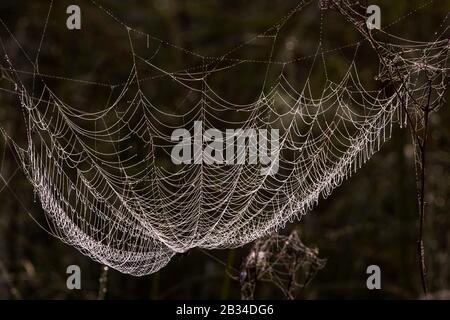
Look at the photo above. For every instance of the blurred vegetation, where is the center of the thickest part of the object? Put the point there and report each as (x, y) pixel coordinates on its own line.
(370, 219)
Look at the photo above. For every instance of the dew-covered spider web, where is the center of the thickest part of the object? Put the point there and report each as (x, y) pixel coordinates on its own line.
(98, 142)
(281, 260)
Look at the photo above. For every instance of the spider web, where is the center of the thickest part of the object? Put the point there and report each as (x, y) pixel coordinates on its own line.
(281, 260)
(101, 169)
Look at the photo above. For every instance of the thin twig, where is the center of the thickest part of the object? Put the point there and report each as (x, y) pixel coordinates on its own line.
(420, 165)
(103, 283)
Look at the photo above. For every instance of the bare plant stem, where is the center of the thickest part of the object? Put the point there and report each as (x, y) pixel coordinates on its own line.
(155, 287)
(420, 169)
(225, 292)
(103, 283)
(420, 141)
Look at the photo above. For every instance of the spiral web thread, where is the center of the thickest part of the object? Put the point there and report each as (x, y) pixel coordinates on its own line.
(128, 207)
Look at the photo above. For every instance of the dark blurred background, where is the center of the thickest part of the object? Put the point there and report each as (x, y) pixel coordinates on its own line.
(370, 219)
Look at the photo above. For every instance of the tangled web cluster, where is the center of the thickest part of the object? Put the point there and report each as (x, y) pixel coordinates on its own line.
(105, 179)
(281, 260)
